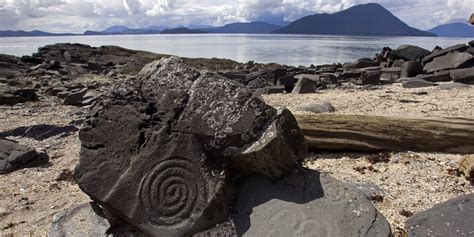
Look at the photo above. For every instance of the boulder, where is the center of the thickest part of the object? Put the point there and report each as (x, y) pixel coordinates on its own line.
(450, 61)
(306, 203)
(14, 156)
(441, 52)
(178, 134)
(465, 76)
(26, 94)
(441, 76)
(370, 78)
(391, 73)
(411, 69)
(417, 83)
(317, 108)
(75, 97)
(409, 52)
(466, 166)
(286, 81)
(305, 86)
(451, 218)
(453, 86)
(361, 63)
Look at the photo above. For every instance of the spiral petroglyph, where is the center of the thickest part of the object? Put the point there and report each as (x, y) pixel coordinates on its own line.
(174, 189)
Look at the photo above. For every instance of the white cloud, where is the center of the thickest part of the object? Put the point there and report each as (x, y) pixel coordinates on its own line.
(80, 15)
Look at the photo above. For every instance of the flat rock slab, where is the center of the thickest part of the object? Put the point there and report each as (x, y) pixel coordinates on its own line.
(14, 156)
(417, 83)
(450, 61)
(78, 221)
(306, 203)
(452, 218)
(453, 86)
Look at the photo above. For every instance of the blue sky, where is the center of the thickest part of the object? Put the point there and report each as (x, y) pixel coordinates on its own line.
(79, 15)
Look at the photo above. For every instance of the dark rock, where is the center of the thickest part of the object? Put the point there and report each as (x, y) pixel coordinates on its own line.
(270, 90)
(450, 61)
(54, 91)
(452, 86)
(317, 108)
(75, 97)
(436, 76)
(305, 85)
(465, 76)
(40, 131)
(9, 99)
(409, 52)
(411, 69)
(306, 203)
(417, 83)
(180, 133)
(370, 78)
(14, 156)
(442, 52)
(63, 94)
(287, 81)
(451, 218)
(361, 63)
(471, 43)
(391, 74)
(26, 94)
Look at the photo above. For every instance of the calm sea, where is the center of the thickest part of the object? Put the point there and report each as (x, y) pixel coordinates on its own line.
(284, 49)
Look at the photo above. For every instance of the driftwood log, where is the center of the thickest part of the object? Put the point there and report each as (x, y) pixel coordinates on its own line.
(375, 133)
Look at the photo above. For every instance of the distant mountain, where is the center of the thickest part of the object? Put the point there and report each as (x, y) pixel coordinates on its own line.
(366, 19)
(458, 29)
(21, 33)
(116, 29)
(183, 30)
(249, 28)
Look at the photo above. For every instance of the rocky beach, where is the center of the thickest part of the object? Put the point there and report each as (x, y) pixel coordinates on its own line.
(108, 140)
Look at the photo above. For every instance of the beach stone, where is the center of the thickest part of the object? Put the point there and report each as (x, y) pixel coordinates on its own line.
(306, 203)
(79, 220)
(441, 76)
(409, 52)
(465, 76)
(175, 133)
(9, 99)
(40, 131)
(453, 86)
(287, 81)
(26, 94)
(411, 69)
(305, 86)
(466, 166)
(450, 61)
(391, 73)
(14, 156)
(441, 52)
(361, 63)
(370, 78)
(317, 108)
(417, 83)
(75, 97)
(450, 218)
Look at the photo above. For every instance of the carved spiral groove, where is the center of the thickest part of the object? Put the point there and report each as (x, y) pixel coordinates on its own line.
(174, 189)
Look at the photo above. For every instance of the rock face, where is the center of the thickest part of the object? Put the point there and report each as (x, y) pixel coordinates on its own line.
(451, 218)
(306, 203)
(160, 152)
(14, 156)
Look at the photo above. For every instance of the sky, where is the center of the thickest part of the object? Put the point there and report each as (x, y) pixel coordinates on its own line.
(76, 16)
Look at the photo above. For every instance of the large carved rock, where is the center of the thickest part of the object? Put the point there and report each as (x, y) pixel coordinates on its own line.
(159, 152)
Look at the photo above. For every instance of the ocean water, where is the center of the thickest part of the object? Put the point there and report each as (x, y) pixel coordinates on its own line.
(265, 48)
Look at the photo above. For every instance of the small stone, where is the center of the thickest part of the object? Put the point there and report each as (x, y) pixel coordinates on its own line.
(466, 166)
(317, 108)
